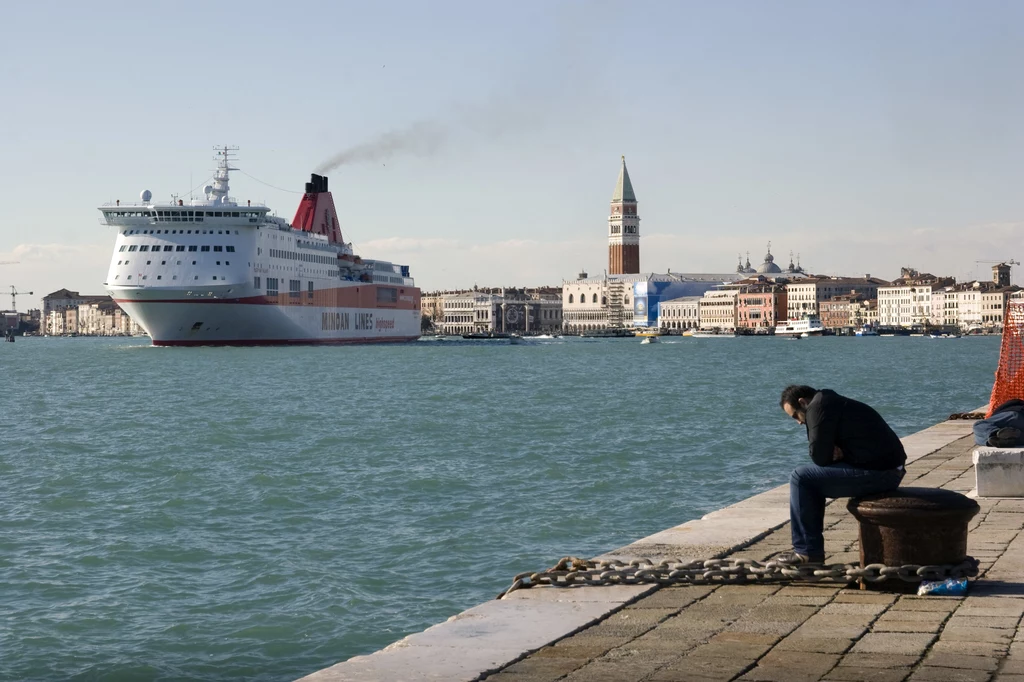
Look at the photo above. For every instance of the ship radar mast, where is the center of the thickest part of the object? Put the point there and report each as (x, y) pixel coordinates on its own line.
(217, 193)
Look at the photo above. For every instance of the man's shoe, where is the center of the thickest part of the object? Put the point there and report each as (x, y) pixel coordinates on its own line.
(796, 558)
(1006, 437)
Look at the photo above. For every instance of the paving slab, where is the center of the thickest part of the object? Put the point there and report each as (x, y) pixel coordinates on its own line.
(852, 674)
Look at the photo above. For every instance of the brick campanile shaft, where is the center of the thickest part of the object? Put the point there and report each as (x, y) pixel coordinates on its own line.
(623, 228)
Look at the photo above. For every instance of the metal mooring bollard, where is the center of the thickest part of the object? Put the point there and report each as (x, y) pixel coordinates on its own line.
(921, 526)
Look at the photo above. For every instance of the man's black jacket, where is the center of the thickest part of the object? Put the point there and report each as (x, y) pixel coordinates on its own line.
(860, 432)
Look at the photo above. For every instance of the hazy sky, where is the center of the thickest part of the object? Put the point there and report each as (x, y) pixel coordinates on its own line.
(863, 135)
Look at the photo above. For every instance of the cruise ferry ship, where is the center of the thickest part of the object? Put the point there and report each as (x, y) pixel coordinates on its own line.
(805, 326)
(214, 272)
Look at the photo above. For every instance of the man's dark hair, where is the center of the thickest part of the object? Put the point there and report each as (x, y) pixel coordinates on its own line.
(792, 393)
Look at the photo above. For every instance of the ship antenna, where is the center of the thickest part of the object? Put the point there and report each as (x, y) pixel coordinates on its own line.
(220, 188)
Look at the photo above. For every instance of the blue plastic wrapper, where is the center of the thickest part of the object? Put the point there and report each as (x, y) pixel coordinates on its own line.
(950, 587)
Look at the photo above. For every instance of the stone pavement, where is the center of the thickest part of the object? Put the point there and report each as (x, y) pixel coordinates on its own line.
(805, 632)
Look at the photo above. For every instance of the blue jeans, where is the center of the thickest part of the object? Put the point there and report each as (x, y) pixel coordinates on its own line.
(985, 428)
(810, 485)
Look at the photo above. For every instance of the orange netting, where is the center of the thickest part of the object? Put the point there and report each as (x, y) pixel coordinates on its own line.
(1010, 373)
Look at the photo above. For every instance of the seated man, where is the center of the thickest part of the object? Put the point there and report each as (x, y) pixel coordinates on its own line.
(854, 452)
(1004, 428)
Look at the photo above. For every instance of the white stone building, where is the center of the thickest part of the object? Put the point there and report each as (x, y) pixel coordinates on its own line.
(945, 307)
(993, 307)
(907, 301)
(717, 309)
(459, 312)
(680, 313)
(586, 303)
(803, 297)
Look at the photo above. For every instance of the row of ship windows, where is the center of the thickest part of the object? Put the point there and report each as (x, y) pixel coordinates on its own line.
(169, 247)
(163, 262)
(186, 215)
(178, 232)
(307, 257)
(173, 277)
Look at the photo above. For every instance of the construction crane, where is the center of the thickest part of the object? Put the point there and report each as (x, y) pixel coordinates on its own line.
(14, 297)
(9, 262)
(998, 262)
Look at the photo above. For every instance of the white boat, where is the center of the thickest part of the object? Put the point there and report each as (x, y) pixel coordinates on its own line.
(649, 339)
(216, 272)
(712, 334)
(809, 326)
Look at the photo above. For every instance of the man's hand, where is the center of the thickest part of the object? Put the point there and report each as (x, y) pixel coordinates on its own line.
(837, 454)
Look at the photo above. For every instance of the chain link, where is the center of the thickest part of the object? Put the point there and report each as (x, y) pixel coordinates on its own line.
(576, 571)
(967, 415)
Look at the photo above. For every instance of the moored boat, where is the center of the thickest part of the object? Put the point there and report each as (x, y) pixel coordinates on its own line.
(810, 325)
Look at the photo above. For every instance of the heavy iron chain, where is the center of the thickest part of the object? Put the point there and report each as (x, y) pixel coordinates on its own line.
(575, 571)
(967, 415)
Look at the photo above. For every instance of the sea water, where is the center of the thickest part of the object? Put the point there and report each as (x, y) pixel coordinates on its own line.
(218, 513)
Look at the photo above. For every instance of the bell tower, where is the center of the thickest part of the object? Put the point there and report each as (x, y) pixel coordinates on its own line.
(623, 228)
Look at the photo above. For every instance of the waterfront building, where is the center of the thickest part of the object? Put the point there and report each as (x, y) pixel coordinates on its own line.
(679, 313)
(945, 307)
(838, 313)
(627, 301)
(10, 321)
(623, 228)
(525, 311)
(761, 305)
(864, 313)
(105, 318)
(718, 309)
(462, 312)
(969, 306)
(62, 299)
(806, 295)
(432, 305)
(99, 318)
(506, 311)
(71, 325)
(907, 301)
(993, 306)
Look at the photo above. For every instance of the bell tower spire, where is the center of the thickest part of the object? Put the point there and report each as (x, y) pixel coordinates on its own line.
(623, 228)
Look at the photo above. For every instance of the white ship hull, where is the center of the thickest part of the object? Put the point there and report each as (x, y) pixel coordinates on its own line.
(176, 322)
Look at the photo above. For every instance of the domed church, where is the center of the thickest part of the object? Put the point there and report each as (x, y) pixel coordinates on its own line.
(768, 267)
